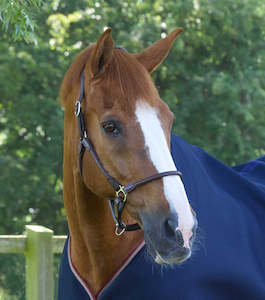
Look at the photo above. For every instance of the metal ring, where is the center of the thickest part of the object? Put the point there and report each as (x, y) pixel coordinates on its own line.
(77, 108)
(117, 232)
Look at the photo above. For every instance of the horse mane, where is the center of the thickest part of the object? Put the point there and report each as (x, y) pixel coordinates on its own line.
(123, 72)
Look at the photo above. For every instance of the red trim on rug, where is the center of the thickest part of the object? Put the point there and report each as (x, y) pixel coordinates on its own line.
(122, 266)
(76, 274)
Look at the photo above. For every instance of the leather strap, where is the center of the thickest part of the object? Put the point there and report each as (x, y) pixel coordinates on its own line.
(87, 145)
(131, 186)
(118, 202)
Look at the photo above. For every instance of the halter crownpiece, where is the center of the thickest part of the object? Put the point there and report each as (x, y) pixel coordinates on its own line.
(121, 192)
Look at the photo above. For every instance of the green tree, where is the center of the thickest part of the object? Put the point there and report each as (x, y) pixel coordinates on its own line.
(213, 80)
(18, 20)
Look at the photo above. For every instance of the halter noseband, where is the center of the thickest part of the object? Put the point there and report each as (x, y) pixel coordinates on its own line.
(116, 205)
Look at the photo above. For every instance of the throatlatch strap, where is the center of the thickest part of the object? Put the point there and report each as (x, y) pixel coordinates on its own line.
(82, 87)
(81, 151)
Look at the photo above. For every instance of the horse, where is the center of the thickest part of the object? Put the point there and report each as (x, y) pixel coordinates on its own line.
(124, 195)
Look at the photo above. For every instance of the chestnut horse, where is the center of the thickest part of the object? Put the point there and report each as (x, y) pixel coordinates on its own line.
(125, 127)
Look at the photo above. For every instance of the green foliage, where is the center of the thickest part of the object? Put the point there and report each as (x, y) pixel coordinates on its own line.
(213, 80)
(17, 18)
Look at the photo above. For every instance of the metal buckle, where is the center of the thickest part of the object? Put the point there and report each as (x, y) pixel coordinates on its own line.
(77, 108)
(121, 191)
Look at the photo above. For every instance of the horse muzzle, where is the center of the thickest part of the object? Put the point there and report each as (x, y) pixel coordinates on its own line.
(165, 241)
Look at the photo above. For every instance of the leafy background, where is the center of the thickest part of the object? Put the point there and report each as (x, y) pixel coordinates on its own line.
(213, 80)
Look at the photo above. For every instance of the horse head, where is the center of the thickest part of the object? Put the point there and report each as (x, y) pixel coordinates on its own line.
(130, 128)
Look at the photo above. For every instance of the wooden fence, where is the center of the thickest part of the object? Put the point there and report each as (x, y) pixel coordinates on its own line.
(38, 245)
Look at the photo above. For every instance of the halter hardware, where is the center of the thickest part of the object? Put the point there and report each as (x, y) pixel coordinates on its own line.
(117, 232)
(121, 191)
(77, 108)
(118, 203)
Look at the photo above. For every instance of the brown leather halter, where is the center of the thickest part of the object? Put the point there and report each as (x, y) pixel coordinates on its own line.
(118, 203)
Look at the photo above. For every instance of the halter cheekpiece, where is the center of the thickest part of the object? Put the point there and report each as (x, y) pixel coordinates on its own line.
(121, 192)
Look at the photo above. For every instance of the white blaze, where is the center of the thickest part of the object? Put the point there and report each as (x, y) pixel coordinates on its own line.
(157, 147)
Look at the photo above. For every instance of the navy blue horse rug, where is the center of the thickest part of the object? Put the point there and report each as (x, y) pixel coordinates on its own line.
(230, 207)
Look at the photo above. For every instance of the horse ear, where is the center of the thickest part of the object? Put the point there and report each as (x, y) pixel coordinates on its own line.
(153, 56)
(101, 54)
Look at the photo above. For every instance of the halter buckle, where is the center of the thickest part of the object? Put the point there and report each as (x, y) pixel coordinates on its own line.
(120, 192)
(77, 108)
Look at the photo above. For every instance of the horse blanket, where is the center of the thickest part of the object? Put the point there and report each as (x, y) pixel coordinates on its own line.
(229, 261)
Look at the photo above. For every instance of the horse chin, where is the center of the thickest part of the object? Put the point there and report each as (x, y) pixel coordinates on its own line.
(175, 256)
(171, 261)
(159, 260)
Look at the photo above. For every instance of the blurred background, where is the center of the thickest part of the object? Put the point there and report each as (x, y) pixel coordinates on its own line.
(213, 81)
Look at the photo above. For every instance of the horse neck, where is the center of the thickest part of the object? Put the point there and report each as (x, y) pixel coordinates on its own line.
(95, 251)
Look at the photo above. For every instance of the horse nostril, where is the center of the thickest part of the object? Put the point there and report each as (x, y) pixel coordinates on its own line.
(173, 233)
(170, 228)
(179, 238)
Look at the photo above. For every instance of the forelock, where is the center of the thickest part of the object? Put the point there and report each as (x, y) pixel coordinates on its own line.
(129, 76)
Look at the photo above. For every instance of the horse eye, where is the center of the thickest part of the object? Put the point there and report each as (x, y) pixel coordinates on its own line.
(111, 128)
